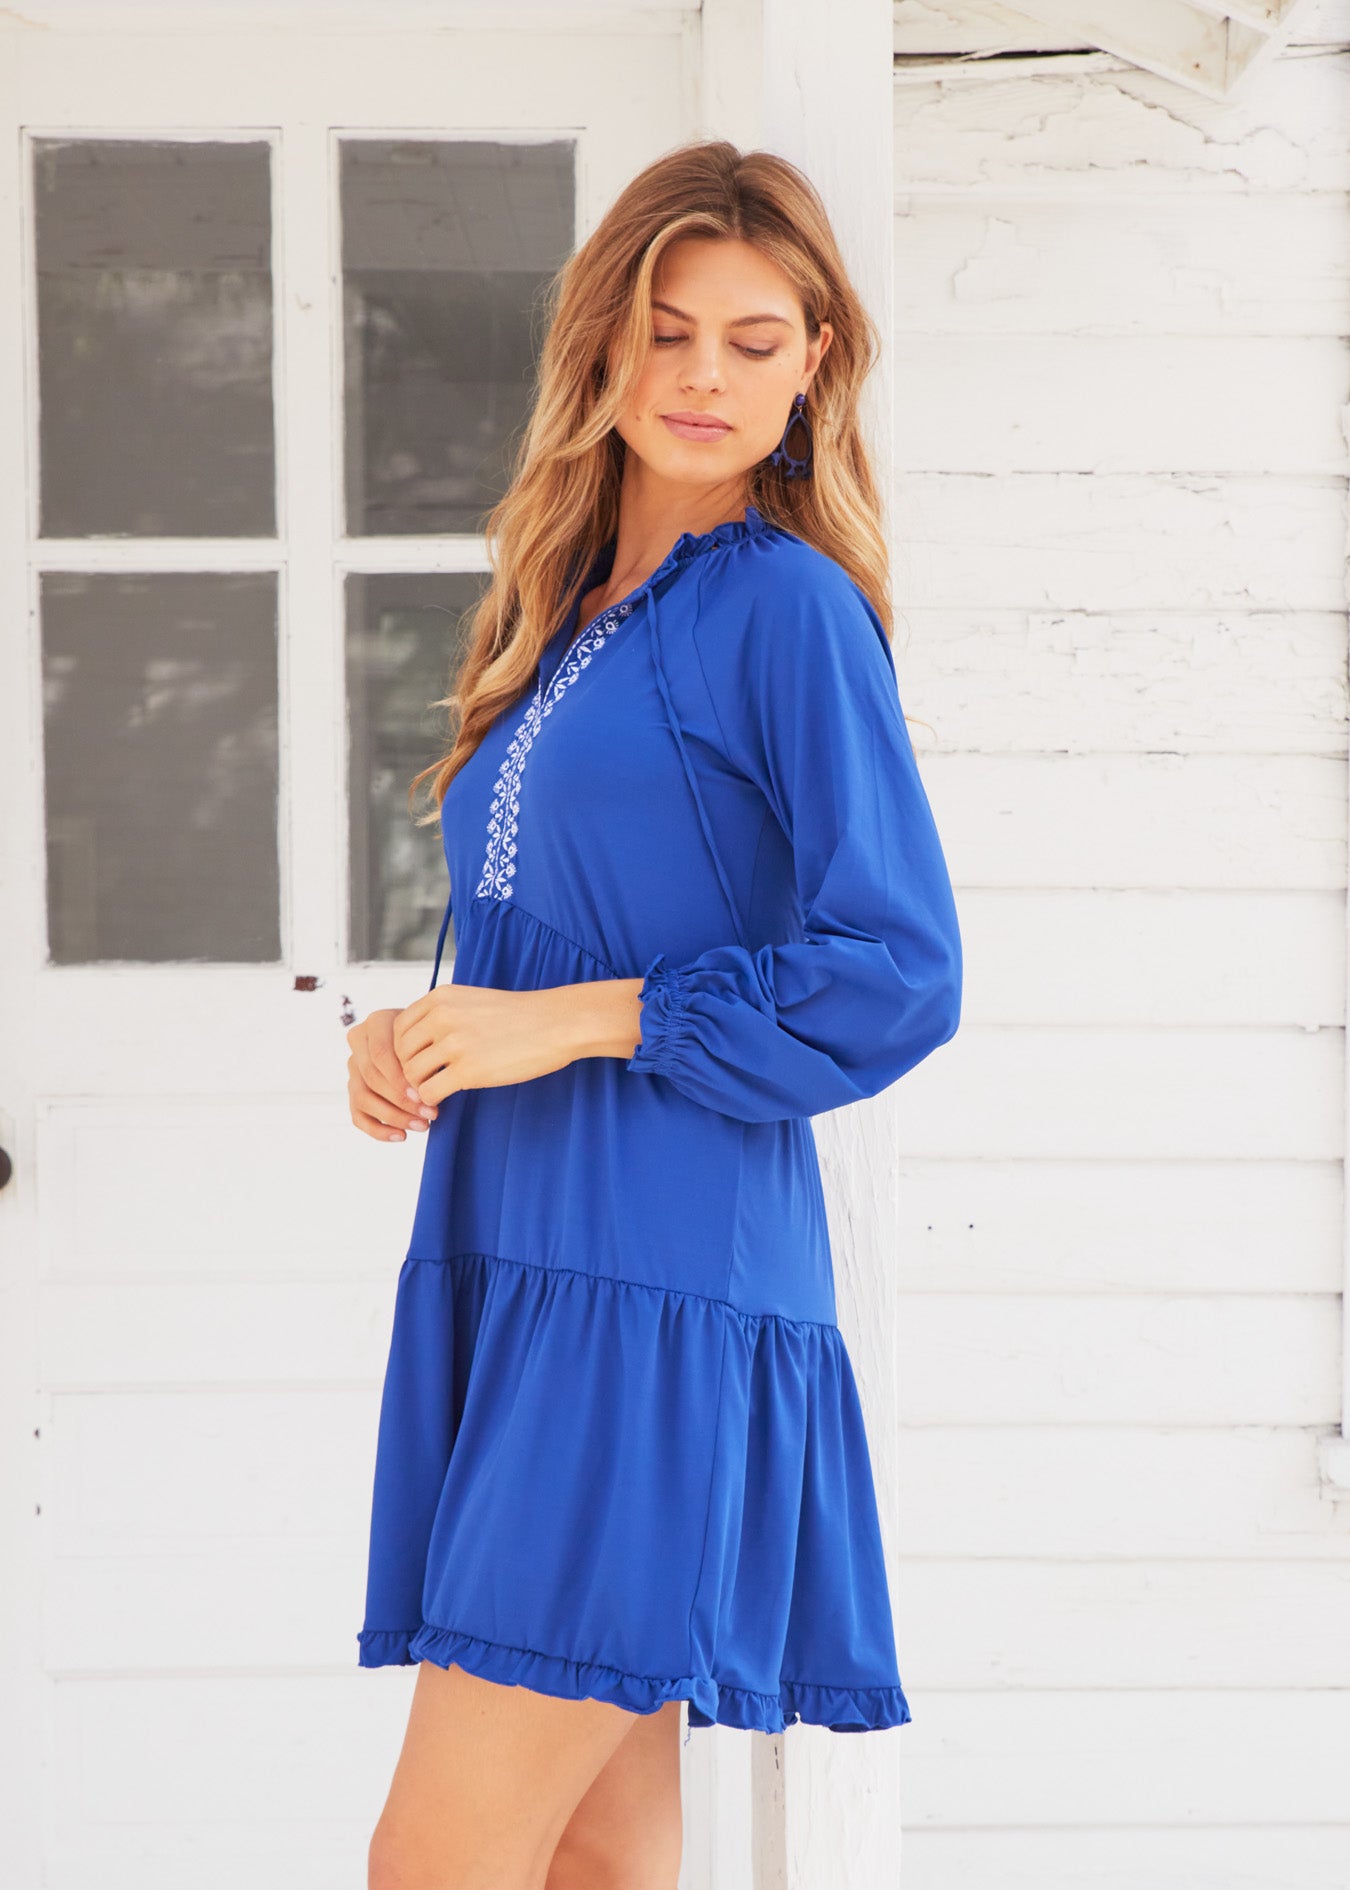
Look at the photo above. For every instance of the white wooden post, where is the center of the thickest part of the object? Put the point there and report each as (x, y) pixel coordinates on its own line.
(825, 1806)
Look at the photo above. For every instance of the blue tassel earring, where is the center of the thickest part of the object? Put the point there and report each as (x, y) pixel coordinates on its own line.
(794, 467)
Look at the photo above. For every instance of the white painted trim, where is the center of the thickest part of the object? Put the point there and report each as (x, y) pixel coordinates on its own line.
(189, 18)
(829, 106)
(1333, 1455)
(774, 78)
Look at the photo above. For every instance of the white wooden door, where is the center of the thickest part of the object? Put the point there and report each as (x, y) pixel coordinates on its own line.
(267, 302)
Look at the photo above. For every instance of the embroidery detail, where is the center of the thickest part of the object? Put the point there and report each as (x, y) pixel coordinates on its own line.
(499, 863)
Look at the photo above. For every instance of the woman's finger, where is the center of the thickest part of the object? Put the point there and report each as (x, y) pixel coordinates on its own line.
(390, 1085)
(376, 1130)
(389, 1077)
(420, 1069)
(400, 1114)
(380, 1126)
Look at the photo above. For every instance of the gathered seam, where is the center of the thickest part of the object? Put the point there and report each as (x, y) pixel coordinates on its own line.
(672, 1018)
(613, 1279)
(604, 1666)
(510, 905)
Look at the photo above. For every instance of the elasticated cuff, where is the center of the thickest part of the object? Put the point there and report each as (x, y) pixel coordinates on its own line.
(664, 1018)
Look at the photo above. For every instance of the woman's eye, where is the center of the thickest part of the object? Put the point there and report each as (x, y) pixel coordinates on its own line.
(758, 354)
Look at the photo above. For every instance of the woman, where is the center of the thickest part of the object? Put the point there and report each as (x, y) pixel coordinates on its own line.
(699, 898)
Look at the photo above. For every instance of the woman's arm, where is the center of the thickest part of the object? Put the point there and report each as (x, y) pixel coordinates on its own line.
(603, 1017)
(809, 710)
(476, 1036)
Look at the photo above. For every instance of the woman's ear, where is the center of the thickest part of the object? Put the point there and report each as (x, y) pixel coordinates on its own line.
(822, 344)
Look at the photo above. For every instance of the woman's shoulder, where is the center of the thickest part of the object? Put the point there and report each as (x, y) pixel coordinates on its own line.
(794, 559)
(788, 599)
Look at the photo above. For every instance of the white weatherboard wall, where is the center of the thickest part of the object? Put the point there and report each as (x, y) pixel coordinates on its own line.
(1121, 376)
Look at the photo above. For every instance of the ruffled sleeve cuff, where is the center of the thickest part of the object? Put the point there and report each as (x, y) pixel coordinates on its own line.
(664, 1018)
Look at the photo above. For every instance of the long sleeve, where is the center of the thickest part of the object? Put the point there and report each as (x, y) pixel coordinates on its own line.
(806, 698)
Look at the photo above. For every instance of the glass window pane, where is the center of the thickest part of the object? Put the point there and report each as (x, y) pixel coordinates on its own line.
(154, 338)
(447, 247)
(160, 716)
(405, 641)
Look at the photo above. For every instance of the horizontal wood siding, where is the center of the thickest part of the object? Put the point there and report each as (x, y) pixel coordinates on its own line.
(1122, 377)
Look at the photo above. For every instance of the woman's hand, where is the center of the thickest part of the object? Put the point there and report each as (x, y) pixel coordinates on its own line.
(376, 1084)
(473, 1036)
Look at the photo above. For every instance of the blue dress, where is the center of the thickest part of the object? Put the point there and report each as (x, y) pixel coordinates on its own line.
(620, 1451)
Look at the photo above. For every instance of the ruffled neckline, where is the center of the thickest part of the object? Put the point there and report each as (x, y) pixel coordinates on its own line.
(729, 532)
(688, 545)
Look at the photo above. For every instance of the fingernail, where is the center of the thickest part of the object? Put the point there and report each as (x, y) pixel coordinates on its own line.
(412, 1093)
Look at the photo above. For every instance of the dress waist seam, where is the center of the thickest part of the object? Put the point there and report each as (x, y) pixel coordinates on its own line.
(612, 1279)
(510, 905)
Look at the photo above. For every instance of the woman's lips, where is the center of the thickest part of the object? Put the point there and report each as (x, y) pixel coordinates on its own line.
(701, 430)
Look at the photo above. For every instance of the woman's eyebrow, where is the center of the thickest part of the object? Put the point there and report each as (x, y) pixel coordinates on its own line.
(741, 321)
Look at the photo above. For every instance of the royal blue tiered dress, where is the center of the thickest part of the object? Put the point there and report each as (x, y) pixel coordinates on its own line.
(620, 1448)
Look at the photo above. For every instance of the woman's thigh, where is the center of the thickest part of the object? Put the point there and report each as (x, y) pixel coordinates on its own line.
(485, 1783)
(627, 1832)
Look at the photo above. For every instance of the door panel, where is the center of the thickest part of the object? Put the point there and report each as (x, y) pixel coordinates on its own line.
(269, 302)
(160, 750)
(154, 338)
(447, 247)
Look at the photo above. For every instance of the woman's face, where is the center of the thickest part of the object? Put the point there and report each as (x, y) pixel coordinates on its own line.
(730, 345)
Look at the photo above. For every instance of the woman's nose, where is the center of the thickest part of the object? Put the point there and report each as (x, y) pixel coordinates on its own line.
(706, 374)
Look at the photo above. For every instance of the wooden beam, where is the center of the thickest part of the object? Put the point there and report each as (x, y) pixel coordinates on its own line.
(1211, 46)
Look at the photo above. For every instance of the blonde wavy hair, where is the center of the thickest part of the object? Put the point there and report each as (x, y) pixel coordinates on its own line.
(562, 501)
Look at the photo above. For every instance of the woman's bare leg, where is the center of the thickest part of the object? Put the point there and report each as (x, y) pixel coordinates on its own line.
(486, 1781)
(627, 1833)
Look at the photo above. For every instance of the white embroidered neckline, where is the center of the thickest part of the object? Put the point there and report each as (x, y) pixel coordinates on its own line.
(499, 864)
